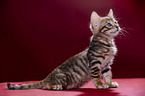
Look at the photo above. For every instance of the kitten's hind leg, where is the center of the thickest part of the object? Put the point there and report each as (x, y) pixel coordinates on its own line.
(56, 80)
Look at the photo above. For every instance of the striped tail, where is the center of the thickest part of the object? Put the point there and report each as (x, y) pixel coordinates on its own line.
(32, 85)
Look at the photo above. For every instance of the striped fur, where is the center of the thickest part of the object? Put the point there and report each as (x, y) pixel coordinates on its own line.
(94, 62)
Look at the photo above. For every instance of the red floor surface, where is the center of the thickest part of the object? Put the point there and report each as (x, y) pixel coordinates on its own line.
(127, 87)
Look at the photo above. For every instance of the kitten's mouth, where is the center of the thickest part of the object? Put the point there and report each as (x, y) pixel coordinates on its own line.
(114, 32)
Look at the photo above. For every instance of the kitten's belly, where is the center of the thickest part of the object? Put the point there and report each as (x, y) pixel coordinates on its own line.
(81, 81)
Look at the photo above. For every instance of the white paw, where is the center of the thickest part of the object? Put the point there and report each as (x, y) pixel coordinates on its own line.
(102, 86)
(56, 87)
(114, 85)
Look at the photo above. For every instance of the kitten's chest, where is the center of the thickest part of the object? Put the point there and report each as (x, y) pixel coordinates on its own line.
(108, 57)
(112, 51)
(107, 51)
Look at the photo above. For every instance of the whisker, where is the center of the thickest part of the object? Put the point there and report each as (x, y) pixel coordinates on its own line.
(116, 16)
(125, 34)
(122, 34)
(127, 28)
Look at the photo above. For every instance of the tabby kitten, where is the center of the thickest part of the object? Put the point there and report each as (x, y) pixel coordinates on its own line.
(94, 62)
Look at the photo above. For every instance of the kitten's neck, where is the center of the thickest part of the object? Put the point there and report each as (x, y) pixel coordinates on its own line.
(98, 36)
(109, 37)
(103, 39)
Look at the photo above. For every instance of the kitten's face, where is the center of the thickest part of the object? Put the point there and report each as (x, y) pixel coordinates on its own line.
(106, 26)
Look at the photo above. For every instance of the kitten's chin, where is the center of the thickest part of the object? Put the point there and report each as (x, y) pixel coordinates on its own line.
(110, 36)
(115, 34)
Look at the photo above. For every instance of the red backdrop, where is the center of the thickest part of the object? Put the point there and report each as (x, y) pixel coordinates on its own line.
(38, 35)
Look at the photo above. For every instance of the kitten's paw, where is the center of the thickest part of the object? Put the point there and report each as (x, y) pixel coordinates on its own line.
(56, 87)
(113, 85)
(102, 86)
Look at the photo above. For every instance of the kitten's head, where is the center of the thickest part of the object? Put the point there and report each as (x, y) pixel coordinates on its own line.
(105, 26)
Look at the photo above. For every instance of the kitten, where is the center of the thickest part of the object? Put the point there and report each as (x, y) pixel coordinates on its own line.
(94, 62)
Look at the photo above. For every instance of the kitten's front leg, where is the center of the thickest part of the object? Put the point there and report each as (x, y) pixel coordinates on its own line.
(107, 75)
(96, 76)
(98, 83)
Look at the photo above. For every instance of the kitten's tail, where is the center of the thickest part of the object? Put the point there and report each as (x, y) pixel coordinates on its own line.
(31, 85)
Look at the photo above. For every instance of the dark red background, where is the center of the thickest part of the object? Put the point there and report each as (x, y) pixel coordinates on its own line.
(38, 35)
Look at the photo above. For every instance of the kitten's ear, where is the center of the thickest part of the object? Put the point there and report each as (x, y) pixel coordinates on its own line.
(110, 14)
(94, 17)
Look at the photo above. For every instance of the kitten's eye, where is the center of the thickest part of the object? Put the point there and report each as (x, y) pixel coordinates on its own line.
(115, 22)
(109, 24)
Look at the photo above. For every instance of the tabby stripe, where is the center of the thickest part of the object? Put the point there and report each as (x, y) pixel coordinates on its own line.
(99, 53)
(62, 80)
(108, 45)
(102, 28)
(95, 62)
(77, 77)
(76, 70)
(106, 70)
(82, 67)
(84, 60)
(70, 77)
(67, 76)
(95, 76)
(95, 52)
(74, 76)
(95, 68)
(57, 81)
(99, 56)
(71, 71)
(95, 45)
(92, 53)
(94, 71)
(76, 73)
(104, 44)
